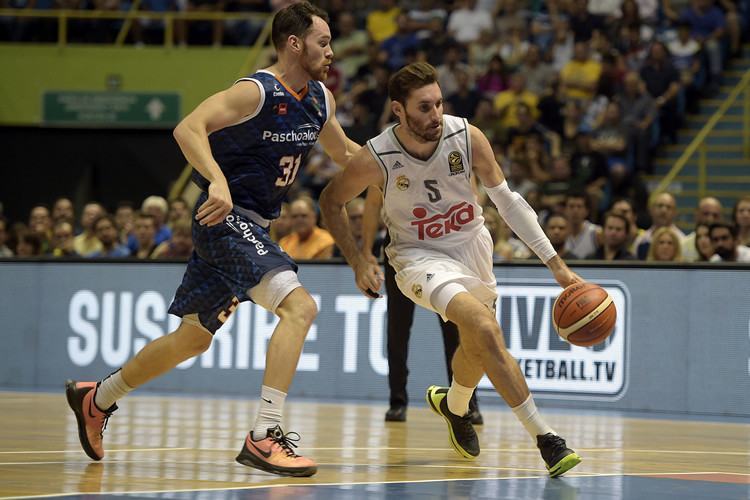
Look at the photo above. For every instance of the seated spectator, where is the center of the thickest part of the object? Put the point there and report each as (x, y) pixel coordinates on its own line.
(621, 184)
(637, 117)
(62, 239)
(447, 73)
(563, 44)
(307, 240)
(707, 212)
(589, 167)
(507, 101)
(180, 246)
(611, 137)
(422, 16)
(393, 50)
(178, 210)
(5, 252)
(40, 223)
(529, 126)
(539, 74)
(87, 243)
(381, 22)
(663, 84)
(495, 79)
(726, 247)
(557, 230)
(614, 240)
(483, 50)
(28, 244)
(704, 249)
(350, 46)
(741, 218)
(145, 232)
(686, 59)
(514, 47)
(663, 210)
(465, 100)
(62, 210)
(484, 119)
(157, 207)
(202, 32)
(707, 25)
(665, 246)
(580, 76)
(550, 106)
(354, 211)
(282, 225)
(467, 21)
(624, 207)
(124, 217)
(555, 189)
(583, 239)
(582, 23)
(106, 231)
(519, 177)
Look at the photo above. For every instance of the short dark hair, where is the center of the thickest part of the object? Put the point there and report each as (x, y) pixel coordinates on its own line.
(733, 230)
(295, 20)
(411, 77)
(617, 216)
(102, 217)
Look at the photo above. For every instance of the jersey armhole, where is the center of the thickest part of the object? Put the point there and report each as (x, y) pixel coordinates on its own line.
(260, 103)
(327, 101)
(468, 147)
(381, 164)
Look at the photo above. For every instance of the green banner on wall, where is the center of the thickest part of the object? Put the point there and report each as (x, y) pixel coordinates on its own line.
(112, 109)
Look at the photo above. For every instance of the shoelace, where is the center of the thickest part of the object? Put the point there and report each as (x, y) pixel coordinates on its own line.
(555, 444)
(286, 441)
(466, 426)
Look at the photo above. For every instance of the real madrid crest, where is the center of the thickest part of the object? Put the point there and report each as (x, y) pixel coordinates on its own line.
(456, 163)
(402, 182)
(417, 290)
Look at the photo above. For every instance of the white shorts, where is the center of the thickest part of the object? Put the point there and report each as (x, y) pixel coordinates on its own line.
(431, 277)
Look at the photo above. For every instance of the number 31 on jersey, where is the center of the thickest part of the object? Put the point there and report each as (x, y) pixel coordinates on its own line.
(289, 167)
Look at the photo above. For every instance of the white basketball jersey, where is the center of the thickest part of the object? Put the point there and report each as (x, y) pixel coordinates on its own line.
(429, 204)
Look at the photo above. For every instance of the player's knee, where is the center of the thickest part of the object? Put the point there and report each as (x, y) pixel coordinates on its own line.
(487, 333)
(298, 306)
(194, 340)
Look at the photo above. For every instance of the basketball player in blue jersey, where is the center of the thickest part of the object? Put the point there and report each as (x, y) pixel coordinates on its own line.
(246, 145)
(441, 251)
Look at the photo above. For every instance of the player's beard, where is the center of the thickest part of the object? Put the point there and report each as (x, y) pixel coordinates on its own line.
(424, 134)
(316, 73)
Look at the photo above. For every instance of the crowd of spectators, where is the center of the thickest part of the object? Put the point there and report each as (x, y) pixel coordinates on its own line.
(159, 230)
(574, 95)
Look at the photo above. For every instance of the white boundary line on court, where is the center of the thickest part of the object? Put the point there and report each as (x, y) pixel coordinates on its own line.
(305, 485)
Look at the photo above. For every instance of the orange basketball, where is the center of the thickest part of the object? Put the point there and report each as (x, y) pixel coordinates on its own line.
(584, 314)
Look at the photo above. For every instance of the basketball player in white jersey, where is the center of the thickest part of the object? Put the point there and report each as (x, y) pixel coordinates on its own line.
(440, 249)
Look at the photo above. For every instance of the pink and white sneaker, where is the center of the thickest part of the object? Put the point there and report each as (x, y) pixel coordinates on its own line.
(91, 420)
(274, 454)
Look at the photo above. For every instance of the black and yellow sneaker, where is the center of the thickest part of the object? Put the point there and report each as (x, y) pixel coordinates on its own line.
(558, 457)
(462, 435)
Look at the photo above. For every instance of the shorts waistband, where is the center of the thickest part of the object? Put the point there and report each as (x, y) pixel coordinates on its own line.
(253, 216)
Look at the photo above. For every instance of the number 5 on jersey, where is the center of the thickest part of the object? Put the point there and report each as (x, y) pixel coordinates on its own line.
(290, 166)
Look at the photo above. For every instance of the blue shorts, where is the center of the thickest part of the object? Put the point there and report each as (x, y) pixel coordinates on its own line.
(228, 260)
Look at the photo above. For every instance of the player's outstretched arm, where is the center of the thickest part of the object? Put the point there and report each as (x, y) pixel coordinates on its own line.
(218, 111)
(520, 217)
(361, 172)
(335, 143)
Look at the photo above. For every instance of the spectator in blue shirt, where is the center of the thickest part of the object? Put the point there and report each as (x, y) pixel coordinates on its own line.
(106, 232)
(708, 26)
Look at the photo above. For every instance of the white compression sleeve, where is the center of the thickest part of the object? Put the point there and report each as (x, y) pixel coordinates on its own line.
(522, 220)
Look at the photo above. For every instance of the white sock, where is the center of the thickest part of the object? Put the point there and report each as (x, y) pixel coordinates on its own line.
(270, 412)
(458, 398)
(112, 388)
(528, 415)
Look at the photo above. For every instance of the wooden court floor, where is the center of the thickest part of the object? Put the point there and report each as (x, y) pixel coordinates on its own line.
(177, 447)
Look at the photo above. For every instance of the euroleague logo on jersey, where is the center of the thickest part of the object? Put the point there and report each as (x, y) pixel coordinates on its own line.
(439, 225)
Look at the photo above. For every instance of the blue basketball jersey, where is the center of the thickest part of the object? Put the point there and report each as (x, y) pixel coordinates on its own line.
(261, 155)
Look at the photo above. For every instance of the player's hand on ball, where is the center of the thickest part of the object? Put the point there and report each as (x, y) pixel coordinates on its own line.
(217, 206)
(368, 275)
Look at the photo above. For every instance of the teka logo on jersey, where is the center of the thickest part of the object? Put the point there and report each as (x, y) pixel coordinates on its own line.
(552, 367)
(439, 225)
(242, 227)
(305, 134)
